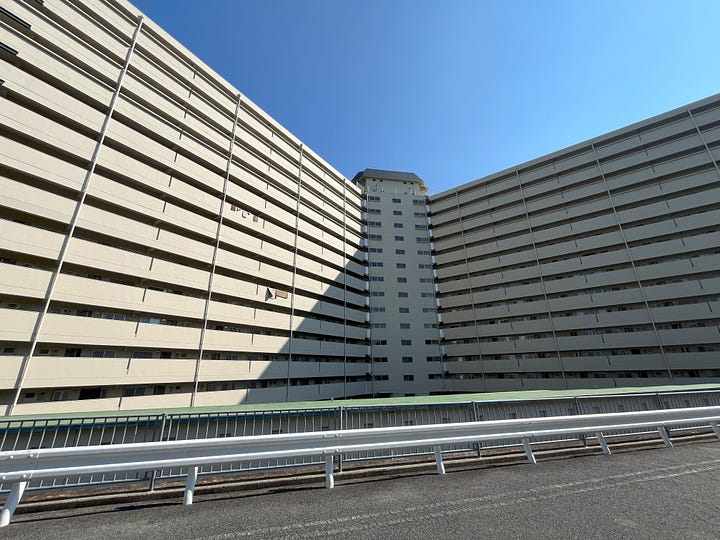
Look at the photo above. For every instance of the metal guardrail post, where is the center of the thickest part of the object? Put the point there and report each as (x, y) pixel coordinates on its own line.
(342, 426)
(578, 410)
(658, 401)
(162, 432)
(475, 418)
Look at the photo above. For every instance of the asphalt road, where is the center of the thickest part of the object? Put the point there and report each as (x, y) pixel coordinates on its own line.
(654, 494)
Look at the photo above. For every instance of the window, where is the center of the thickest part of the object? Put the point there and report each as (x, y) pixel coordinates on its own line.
(374, 223)
(373, 198)
(399, 238)
(426, 280)
(432, 342)
(398, 225)
(377, 278)
(404, 310)
(408, 377)
(134, 391)
(402, 280)
(428, 310)
(396, 201)
(400, 265)
(72, 352)
(379, 342)
(379, 325)
(422, 266)
(375, 211)
(419, 227)
(381, 359)
(422, 240)
(376, 250)
(432, 358)
(397, 212)
(402, 294)
(379, 309)
(103, 353)
(142, 354)
(422, 251)
(8, 350)
(375, 236)
(419, 214)
(405, 326)
(419, 202)
(376, 263)
(407, 359)
(430, 325)
(427, 295)
(378, 293)
(399, 252)
(406, 342)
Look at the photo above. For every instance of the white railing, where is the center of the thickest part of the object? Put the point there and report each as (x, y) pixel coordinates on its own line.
(19, 467)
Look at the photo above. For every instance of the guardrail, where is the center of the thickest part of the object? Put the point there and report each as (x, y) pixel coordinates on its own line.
(21, 466)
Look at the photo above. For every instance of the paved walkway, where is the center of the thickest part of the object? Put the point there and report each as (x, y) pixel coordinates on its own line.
(655, 494)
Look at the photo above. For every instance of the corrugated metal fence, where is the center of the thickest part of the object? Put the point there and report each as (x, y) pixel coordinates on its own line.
(115, 429)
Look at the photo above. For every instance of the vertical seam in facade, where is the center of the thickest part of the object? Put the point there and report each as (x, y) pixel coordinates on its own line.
(294, 270)
(542, 278)
(213, 265)
(702, 139)
(472, 294)
(632, 262)
(74, 219)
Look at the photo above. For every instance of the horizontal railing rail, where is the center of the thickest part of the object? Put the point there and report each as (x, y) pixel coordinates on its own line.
(20, 466)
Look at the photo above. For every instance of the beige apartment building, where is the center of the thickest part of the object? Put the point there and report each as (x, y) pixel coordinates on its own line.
(594, 266)
(405, 340)
(165, 243)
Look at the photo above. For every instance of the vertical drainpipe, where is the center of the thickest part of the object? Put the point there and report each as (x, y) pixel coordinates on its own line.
(294, 272)
(216, 248)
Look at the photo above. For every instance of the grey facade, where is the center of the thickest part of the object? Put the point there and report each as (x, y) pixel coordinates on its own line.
(593, 266)
(404, 337)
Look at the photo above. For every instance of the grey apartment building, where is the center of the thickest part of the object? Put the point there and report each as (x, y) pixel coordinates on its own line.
(405, 356)
(594, 266)
(166, 243)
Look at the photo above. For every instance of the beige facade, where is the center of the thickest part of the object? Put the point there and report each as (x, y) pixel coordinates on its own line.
(595, 266)
(164, 242)
(405, 346)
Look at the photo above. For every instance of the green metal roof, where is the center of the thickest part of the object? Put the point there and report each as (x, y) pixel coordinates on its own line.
(408, 400)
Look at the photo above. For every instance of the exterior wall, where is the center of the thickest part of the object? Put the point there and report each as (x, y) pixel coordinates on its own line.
(594, 266)
(405, 346)
(163, 241)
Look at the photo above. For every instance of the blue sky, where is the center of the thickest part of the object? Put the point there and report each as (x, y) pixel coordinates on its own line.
(452, 90)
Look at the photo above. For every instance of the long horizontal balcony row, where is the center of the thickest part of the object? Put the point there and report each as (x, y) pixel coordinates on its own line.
(583, 299)
(196, 112)
(17, 326)
(520, 283)
(156, 193)
(62, 372)
(569, 383)
(561, 322)
(74, 294)
(192, 128)
(600, 363)
(562, 259)
(583, 225)
(558, 170)
(251, 273)
(589, 217)
(510, 282)
(685, 336)
(577, 227)
(275, 394)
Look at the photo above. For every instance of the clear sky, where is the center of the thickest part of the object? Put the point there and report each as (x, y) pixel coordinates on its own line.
(452, 90)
